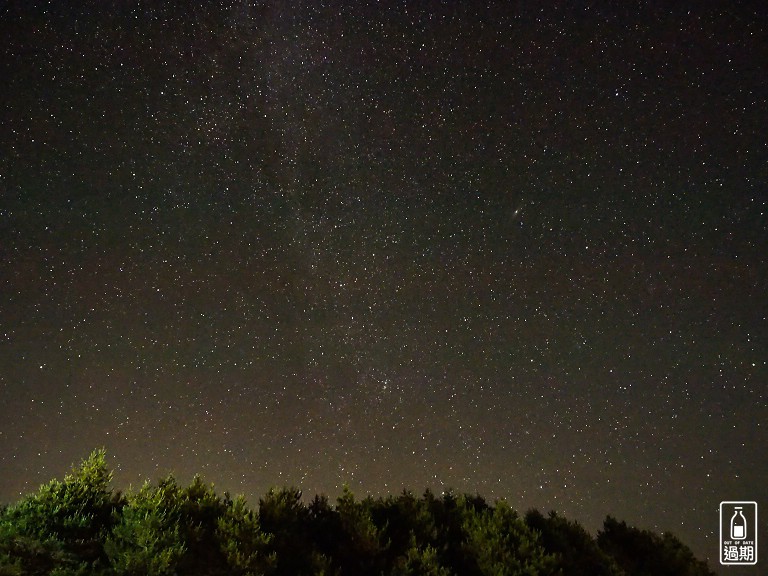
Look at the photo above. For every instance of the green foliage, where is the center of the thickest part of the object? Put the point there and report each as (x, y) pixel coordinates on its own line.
(10, 566)
(146, 538)
(285, 518)
(70, 511)
(79, 527)
(408, 525)
(577, 552)
(503, 545)
(241, 540)
(294, 544)
(62, 526)
(362, 545)
(200, 510)
(419, 561)
(644, 553)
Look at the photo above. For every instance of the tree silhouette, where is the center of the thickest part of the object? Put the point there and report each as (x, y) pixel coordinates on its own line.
(63, 524)
(503, 545)
(242, 541)
(577, 552)
(644, 553)
(80, 527)
(147, 538)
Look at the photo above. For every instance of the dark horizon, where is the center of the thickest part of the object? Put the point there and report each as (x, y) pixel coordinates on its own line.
(80, 524)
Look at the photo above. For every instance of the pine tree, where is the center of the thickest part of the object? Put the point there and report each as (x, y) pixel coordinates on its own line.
(62, 525)
(79, 527)
(644, 553)
(363, 545)
(146, 539)
(242, 541)
(502, 545)
(577, 551)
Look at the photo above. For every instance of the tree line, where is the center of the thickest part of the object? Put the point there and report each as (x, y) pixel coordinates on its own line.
(80, 526)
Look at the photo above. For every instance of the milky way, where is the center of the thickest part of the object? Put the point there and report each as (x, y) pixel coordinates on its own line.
(495, 248)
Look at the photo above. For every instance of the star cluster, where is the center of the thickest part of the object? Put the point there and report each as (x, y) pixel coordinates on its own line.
(498, 248)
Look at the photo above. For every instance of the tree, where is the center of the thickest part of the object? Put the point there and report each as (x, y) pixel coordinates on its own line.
(79, 527)
(62, 526)
(419, 561)
(146, 539)
(502, 545)
(448, 515)
(644, 553)
(576, 550)
(283, 516)
(407, 523)
(242, 541)
(326, 533)
(199, 512)
(362, 545)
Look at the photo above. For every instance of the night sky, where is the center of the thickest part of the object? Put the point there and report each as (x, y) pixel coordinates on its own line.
(498, 248)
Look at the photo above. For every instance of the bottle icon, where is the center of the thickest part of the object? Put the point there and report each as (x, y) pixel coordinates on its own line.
(738, 525)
